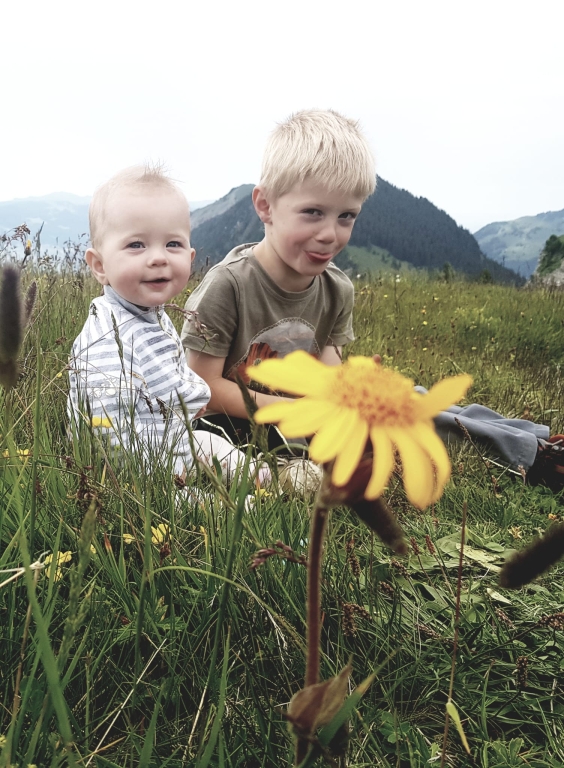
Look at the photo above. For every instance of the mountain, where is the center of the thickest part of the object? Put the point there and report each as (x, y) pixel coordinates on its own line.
(392, 222)
(518, 243)
(64, 216)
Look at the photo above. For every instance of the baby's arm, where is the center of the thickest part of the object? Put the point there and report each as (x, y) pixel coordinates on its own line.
(226, 396)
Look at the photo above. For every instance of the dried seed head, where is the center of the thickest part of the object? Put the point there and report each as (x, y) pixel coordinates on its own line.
(554, 621)
(352, 559)
(11, 325)
(430, 546)
(522, 671)
(534, 559)
(30, 297)
(414, 546)
(349, 624)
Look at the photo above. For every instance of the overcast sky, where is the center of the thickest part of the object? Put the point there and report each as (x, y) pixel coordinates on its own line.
(462, 101)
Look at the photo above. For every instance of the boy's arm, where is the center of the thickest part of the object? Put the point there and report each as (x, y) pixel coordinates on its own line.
(225, 395)
(332, 355)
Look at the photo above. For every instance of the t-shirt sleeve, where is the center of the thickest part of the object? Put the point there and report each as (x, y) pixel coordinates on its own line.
(342, 332)
(215, 306)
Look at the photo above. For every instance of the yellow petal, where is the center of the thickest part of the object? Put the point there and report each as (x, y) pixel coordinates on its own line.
(418, 475)
(297, 374)
(306, 417)
(271, 414)
(333, 437)
(442, 395)
(383, 462)
(348, 459)
(434, 446)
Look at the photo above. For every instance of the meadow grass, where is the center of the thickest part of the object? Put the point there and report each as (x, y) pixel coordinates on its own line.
(156, 644)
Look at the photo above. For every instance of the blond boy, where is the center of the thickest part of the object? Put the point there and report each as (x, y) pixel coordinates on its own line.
(284, 293)
(128, 372)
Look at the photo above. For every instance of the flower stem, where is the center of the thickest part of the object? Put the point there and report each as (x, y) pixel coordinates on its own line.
(318, 526)
(313, 620)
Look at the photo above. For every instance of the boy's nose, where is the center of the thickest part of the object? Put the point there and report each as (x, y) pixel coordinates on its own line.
(327, 233)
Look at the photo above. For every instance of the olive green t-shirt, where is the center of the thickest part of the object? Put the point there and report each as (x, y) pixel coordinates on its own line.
(248, 318)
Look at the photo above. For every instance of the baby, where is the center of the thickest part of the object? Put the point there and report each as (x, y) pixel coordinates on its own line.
(128, 372)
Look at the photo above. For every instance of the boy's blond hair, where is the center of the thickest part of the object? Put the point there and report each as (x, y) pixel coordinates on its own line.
(322, 145)
(136, 176)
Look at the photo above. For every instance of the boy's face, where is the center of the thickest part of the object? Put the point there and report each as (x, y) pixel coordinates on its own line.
(304, 230)
(144, 252)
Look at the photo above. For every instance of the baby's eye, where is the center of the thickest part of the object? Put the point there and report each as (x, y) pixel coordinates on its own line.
(174, 244)
(135, 244)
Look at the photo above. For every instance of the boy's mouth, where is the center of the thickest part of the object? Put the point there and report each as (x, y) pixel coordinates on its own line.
(319, 258)
(156, 280)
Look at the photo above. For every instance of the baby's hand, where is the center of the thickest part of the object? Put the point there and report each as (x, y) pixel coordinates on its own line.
(201, 412)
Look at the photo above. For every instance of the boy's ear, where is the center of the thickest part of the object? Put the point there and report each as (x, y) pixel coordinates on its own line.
(94, 261)
(192, 254)
(262, 206)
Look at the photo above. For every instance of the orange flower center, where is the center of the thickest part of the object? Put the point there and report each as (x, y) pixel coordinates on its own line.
(382, 396)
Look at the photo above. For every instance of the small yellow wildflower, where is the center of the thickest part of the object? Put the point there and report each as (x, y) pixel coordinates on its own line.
(92, 549)
(2, 740)
(516, 532)
(346, 406)
(128, 538)
(160, 533)
(425, 349)
(552, 517)
(101, 421)
(425, 322)
(62, 558)
(474, 349)
(59, 375)
(385, 295)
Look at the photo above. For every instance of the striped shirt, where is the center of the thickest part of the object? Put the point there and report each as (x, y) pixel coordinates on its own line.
(128, 366)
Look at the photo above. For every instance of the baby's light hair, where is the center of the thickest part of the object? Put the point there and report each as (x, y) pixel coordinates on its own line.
(321, 145)
(145, 176)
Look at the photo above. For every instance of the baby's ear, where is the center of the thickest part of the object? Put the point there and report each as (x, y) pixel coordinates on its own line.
(94, 261)
(262, 206)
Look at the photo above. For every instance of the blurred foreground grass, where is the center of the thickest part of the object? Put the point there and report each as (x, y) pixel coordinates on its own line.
(118, 662)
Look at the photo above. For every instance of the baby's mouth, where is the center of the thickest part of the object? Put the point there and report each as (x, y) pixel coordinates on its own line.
(157, 280)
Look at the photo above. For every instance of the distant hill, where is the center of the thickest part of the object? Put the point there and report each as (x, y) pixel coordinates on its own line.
(517, 244)
(406, 228)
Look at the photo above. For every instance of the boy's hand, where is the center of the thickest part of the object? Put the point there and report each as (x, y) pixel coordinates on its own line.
(201, 412)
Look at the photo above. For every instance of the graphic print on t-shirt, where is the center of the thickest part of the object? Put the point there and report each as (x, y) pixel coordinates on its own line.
(277, 340)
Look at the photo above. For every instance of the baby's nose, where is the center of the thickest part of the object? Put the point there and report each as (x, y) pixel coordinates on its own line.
(158, 256)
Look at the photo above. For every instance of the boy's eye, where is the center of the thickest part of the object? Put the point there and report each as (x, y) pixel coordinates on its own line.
(348, 216)
(135, 244)
(313, 211)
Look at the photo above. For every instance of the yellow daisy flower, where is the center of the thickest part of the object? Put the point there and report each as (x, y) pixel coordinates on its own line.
(345, 406)
(128, 538)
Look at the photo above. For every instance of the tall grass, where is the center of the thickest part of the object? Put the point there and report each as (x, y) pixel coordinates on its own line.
(163, 648)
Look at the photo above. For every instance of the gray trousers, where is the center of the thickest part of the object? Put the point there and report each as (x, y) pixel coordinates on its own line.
(512, 441)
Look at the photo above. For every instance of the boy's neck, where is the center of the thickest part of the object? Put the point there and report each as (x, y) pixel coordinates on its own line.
(285, 278)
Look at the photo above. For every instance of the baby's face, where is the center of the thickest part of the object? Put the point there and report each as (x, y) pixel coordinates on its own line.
(144, 253)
